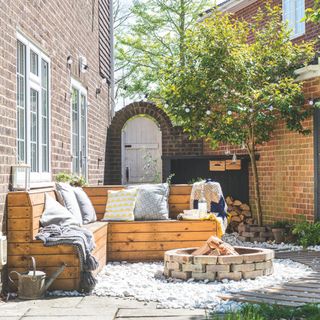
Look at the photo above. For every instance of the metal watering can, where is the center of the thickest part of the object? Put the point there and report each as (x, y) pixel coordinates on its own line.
(33, 284)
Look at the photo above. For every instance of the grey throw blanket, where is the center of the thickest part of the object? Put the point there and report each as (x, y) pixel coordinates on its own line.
(83, 240)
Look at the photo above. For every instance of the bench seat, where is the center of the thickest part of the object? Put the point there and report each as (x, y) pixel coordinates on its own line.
(115, 241)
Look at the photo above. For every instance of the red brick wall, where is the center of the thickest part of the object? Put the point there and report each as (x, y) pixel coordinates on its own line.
(174, 141)
(312, 30)
(286, 164)
(286, 170)
(59, 29)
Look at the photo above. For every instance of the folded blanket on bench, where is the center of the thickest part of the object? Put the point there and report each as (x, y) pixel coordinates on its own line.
(83, 240)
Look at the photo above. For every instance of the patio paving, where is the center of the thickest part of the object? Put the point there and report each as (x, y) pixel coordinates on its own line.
(293, 293)
(91, 308)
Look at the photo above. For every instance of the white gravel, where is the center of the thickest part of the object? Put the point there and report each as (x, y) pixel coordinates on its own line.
(233, 240)
(145, 282)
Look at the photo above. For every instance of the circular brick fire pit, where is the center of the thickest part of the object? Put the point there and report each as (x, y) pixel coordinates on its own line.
(250, 263)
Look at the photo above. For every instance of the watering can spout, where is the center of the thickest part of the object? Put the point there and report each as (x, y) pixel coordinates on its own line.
(53, 277)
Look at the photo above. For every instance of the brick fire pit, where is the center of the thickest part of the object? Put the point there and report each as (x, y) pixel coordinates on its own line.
(250, 263)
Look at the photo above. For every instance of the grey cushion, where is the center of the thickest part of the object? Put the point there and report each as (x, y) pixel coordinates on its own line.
(55, 213)
(69, 200)
(87, 210)
(152, 202)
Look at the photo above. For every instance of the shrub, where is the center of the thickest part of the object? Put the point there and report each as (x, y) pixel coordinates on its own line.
(274, 312)
(63, 177)
(308, 234)
(75, 181)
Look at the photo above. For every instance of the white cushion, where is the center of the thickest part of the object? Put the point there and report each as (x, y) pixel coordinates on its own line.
(120, 205)
(55, 213)
(69, 200)
(87, 210)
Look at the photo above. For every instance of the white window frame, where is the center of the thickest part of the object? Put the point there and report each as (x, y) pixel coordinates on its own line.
(294, 33)
(82, 91)
(37, 179)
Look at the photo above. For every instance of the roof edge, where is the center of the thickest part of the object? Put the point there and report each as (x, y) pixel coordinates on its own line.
(234, 5)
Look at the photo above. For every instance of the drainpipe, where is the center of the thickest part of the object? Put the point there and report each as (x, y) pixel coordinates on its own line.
(112, 58)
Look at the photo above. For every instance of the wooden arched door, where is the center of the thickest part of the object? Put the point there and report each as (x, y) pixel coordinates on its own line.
(141, 151)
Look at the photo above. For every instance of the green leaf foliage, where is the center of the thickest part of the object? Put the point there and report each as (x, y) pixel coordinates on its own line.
(313, 14)
(273, 312)
(156, 32)
(308, 234)
(238, 79)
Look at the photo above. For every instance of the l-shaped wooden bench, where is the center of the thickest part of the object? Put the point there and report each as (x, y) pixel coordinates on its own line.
(115, 241)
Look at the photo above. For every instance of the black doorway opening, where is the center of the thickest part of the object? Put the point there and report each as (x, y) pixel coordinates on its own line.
(234, 183)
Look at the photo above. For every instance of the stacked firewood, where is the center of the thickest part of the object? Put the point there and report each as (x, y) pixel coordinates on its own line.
(215, 247)
(243, 223)
(240, 214)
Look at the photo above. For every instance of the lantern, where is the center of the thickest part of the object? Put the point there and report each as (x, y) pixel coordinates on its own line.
(21, 177)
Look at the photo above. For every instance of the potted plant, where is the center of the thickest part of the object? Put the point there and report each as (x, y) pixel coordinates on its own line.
(280, 230)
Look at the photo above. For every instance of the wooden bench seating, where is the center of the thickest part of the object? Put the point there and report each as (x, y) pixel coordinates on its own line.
(115, 241)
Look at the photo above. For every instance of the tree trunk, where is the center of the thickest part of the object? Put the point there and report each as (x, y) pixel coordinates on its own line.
(182, 32)
(256, 186)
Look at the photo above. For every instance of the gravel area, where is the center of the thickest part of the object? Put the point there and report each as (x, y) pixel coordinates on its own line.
(145, 282)
(233, 240)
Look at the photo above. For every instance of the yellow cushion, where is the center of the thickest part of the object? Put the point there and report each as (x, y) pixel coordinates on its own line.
(120, 205)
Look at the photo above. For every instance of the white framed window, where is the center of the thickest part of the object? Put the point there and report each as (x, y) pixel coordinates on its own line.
(79, 128)
(33, 110)
(293, 12)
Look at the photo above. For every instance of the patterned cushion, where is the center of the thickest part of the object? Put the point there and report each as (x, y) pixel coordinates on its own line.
(120, 205)
(152, 202)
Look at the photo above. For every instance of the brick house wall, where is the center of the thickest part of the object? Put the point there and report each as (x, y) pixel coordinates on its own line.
(286, 166)
(59, 29)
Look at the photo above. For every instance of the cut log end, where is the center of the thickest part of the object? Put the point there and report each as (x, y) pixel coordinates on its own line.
(215, 247)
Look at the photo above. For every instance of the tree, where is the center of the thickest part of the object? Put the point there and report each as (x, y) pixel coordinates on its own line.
(157, 32)
(231, 90)
(313, 14)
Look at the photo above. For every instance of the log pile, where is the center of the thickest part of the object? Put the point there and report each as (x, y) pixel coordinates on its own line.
(254, 233)
(215, 247)
(240, 214)
(243, 223)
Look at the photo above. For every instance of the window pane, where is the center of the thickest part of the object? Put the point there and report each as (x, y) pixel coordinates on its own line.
(44, 74)
(34, 128)
(34, 63)
(45, 116)
(289, 14)
(300, 12)
(75, 131)
(21, 103)
(83, 136)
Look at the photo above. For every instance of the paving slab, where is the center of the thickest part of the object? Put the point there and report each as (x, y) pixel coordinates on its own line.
(13, 310)
(95, 301)
(101, 317)
(106, 312)
(159, 313)
(167, 317)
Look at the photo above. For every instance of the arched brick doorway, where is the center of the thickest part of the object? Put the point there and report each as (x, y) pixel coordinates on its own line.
(175, 143)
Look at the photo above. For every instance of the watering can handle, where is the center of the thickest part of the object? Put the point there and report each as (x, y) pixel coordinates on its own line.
(33, 266)
(9, 276)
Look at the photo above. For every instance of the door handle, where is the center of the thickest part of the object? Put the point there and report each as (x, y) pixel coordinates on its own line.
(128, 146)
(127, 174)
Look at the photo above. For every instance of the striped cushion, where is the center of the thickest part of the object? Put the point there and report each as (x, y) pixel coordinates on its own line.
(120, 205)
